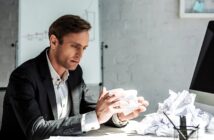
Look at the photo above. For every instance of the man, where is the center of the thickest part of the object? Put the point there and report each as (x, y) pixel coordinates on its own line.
(46, 95)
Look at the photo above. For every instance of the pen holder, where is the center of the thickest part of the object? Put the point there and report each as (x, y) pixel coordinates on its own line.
(189, 133)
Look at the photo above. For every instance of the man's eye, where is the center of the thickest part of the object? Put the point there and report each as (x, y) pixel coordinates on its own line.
(75, 46)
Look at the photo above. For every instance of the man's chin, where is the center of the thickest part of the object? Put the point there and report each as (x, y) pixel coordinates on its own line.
(72, 68)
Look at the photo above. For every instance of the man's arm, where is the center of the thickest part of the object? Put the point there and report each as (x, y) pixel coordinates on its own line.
(22, 96)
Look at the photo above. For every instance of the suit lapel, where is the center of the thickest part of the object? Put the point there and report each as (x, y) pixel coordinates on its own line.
(47, 81)
(75, 89)
(75, 92)
(51, 95)
(70, 95)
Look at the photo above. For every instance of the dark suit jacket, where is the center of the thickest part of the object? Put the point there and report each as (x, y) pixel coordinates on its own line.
(30, 98)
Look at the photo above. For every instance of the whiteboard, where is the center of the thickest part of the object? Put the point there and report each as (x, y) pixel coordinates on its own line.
(35, 17)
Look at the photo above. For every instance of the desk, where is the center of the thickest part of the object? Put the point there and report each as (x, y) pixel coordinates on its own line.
(110, 133)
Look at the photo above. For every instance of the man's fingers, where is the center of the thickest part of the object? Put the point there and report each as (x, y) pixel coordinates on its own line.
(116, 110)
(112, 96)
(120, 104)
(141, 109)
(103, 93)
(143, 102)
(130, 116)
(146, 103)
(133, 114)
(116, 94)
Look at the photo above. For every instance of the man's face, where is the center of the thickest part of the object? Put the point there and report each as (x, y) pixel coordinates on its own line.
(69, 53)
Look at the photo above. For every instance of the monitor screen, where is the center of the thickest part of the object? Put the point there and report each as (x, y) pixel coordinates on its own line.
(203, 78)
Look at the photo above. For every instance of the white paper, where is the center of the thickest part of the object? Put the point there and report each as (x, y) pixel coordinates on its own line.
(176, 105)
(129, 96)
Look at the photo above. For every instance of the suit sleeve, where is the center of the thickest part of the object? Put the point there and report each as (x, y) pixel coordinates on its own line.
(22, 96)
(87, 101)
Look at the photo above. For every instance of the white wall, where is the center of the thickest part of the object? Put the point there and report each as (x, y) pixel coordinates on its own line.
(151, 48)
(35, 17)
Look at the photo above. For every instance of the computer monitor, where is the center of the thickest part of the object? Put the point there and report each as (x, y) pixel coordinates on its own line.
(203, 78)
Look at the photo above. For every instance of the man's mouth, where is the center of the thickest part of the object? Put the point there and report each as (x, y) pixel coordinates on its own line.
(75, 61)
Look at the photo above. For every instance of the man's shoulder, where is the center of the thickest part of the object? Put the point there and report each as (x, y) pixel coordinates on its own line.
(25, 68)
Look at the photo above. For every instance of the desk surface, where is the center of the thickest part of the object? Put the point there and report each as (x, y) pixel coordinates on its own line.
(128, 132)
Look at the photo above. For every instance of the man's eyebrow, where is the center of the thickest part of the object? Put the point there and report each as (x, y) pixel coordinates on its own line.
(73, 42)
(77, 44)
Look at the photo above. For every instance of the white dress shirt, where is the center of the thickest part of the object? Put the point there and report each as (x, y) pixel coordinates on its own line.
(61, 91)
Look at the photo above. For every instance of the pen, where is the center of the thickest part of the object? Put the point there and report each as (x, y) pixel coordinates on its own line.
(175, 126)
(183, 127)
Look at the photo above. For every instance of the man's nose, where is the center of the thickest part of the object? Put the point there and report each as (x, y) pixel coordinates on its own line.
(80, 52)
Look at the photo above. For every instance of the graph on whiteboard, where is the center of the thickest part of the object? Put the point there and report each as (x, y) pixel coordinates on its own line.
(90, 16)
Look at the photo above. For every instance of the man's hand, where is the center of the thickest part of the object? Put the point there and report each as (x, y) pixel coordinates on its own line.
(142, 108)
(109, 104)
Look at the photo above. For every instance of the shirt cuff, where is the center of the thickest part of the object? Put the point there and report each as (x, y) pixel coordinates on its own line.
(89, 121)
(118, 122)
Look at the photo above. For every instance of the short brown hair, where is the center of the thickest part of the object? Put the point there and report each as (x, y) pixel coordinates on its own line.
(68, 24)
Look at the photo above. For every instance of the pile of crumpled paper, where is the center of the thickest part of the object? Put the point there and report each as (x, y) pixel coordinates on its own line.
(176, 105)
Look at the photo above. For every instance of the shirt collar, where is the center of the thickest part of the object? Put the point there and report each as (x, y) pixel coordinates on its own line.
(54, 75)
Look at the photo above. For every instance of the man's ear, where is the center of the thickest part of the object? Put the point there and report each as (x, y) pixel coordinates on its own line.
(53, 41)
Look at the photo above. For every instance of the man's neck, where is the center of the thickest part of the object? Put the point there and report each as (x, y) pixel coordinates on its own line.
(60, 70)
